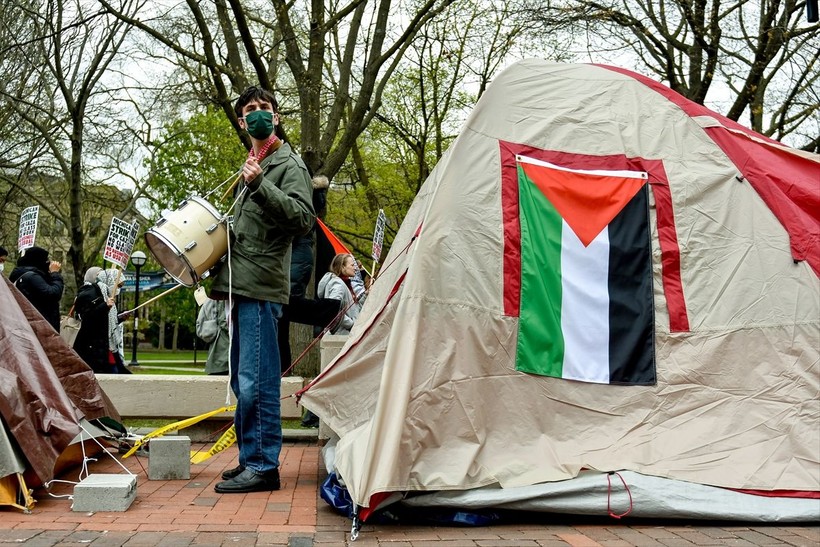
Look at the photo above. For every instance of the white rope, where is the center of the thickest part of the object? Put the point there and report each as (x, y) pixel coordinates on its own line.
(84, 473)
(229, 309)
(221, 184)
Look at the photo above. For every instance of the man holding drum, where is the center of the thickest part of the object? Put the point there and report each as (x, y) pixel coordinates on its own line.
(273, 207)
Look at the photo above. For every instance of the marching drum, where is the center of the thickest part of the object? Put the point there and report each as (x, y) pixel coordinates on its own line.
(189, 241)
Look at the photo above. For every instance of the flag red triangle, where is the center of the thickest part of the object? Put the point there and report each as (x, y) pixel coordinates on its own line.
(335, 242)
(587, 202)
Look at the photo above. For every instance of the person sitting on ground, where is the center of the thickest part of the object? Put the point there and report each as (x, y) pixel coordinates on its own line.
(337, 284)
(4, 254)
(212, 328)
(40, 281)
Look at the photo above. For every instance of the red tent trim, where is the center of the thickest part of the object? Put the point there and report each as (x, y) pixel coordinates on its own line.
(667, 232)
(788, 182)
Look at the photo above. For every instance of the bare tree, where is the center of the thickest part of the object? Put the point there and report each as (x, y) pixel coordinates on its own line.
(339, 57)
(764, 52)
(443, 74)
(56, 96)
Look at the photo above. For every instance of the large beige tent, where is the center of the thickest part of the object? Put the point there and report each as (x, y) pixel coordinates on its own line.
(451, 380)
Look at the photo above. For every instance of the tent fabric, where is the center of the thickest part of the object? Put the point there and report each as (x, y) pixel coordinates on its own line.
(425, 395)
(45, 388)
(628, 493)
(787, 180)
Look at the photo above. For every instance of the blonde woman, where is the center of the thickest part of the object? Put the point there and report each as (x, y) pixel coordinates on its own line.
(337, 284)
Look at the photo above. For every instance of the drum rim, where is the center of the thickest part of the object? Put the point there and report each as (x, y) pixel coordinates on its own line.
(171, 245)
(207, 205)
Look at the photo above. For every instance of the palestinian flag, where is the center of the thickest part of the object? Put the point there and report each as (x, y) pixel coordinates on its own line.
(586, 307)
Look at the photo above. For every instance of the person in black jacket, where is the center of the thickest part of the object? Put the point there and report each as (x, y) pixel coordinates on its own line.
(39, 279)
(92, 309)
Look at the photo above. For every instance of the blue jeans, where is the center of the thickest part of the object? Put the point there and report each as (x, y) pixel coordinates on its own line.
(256, 372)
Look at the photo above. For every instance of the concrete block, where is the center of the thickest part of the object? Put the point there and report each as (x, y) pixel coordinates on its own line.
(329, 347)
(102, 492)
(169, 458)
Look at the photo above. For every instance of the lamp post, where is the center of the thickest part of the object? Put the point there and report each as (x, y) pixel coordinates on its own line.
(138, 260)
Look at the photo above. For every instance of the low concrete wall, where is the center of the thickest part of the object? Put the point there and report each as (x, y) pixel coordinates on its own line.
(166, 396)
(330, 346)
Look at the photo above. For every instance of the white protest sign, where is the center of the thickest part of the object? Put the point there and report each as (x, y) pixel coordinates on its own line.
(135, 230)
(28, 227)
(120, 242)
(378, 235)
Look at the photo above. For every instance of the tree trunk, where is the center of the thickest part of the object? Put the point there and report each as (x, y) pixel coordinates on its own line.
(161, 342)
(300, 337)
(176, 336)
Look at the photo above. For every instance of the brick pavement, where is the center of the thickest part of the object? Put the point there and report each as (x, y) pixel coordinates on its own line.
(188, 512)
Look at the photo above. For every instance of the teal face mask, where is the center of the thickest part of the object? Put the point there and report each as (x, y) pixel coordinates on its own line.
(260, 124)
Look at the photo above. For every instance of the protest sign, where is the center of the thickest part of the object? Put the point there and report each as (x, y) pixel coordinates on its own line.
(378, 235)
(120, 242)
(28, 227)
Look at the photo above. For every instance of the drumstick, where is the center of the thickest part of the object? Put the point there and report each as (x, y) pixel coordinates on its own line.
(232, 186)
(157, 297)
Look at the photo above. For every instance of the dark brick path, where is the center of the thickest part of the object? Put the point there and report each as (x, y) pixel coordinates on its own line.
(182, 513)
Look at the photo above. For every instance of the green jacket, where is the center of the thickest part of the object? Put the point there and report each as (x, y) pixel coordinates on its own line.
(276, 207)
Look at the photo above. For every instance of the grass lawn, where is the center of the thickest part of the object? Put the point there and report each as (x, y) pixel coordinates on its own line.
(156, 423)
(169, 362)
(181, 355)
(171, 369)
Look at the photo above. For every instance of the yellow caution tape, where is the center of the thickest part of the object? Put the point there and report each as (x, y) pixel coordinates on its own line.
(177, 425)
(226, 440)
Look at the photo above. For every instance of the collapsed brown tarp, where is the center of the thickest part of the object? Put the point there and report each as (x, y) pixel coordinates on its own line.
(45, 388)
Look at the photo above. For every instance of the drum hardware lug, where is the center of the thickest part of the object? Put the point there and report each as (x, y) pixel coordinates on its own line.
(210, 229)
(190, 246)
(161, 221)
(182, 204)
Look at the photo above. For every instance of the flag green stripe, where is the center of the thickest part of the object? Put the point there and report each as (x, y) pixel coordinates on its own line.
(540, 340)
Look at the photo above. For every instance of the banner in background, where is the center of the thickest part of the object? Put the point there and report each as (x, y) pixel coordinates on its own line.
(28, 227)
(148, 281)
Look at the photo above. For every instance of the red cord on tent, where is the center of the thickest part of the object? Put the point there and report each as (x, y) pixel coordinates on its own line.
(395, 289)
(609, 496)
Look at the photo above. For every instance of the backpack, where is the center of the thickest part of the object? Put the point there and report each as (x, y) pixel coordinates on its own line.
(22, 288)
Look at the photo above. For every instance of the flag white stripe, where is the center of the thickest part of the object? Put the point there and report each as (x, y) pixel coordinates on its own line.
(601, 172)
(585, 306)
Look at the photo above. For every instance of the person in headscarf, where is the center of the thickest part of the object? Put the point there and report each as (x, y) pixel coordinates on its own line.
(40, 281)
(108, 281)
(92, 308)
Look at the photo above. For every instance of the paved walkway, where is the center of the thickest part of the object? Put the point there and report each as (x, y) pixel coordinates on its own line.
(188, 512)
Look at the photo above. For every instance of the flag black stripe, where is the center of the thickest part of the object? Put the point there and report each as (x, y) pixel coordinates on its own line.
(631, 307)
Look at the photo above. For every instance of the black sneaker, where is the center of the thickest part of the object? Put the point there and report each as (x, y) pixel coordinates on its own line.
(231, 473)
(250, 481)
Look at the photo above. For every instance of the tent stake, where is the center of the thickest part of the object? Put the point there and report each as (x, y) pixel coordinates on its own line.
(357, 524)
